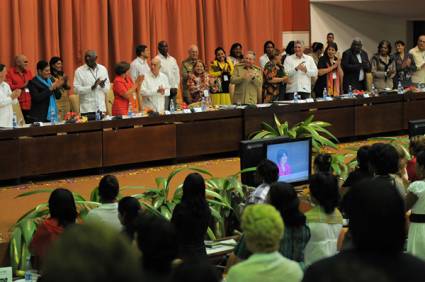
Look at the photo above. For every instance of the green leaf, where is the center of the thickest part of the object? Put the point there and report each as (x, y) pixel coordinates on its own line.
(210, 234)
(161, 182)
(165, 212)
(94, 195)
(211, 194)
(261, 135)
(270, 129)
(38, 191)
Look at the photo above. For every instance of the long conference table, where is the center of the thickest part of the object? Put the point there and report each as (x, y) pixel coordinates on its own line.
(31, 151)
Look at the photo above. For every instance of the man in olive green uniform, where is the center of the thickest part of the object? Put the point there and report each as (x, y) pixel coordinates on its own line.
(248, 80)
(187, 66)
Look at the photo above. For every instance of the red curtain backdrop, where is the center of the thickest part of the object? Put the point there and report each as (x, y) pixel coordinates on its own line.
(44, 28)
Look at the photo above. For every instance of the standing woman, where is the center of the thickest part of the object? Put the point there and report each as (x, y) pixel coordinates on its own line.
(7, 98)
(191, 218)
(221, 69)
(273, 77)
(125, 91)
(330, 73)
(197, 82)
(383, 66)
(405, 65)
(44, 93)
(56, 70)
(269, 47)
(236, 54)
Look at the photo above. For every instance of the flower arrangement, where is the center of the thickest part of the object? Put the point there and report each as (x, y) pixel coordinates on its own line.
(73, 117)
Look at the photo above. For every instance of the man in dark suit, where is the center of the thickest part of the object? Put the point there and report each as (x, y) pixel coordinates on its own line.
(355, 64)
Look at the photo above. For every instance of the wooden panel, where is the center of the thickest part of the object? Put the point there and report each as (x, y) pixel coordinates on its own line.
(208, 137)
(372, 119)
(342, 121)
(9, 164)
(413, 110)
(49, 154)
(135, 145)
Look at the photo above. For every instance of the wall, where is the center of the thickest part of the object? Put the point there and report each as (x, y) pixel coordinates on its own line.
(348, 23)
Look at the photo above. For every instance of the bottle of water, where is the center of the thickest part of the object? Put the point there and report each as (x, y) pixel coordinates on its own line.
(400, 89)
(98, 115)
(172, 107)
(28, 273)
(52, 117)
(14, 121)
(350, 91)
(130, 110)
(373, 89)
(203, 104)
(295, 97)
(325, 93)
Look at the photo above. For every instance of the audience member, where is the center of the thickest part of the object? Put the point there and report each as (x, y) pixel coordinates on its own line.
(248, 81)
(362, 171)
(195, 271)
(155, 88)
(107, 212)
(191, 218)
(401, 174)
(330, 74)
(128, 211)
(317, 51)
(263, 229)
(157, 240)
(236, 54)
(44, 93)
(91, 82)
(170, 68)
(296, 233)
(56, 71)
(415, 201)
(197, 83)
(416, 144)
(378, 228)
(300, 69)
(7, 98)
(383, 66)
(140, 66)
(273, 77)
(18, 77)
(405, 65)
(125, 91)
(221, 70)
(91, 253)
(330, 38)
(324, 219)
(355, 64)
(323, 163)
(187, 68)
(268, 173)
(269, 47)
(63, 213)
(385, 163)
(418, 54)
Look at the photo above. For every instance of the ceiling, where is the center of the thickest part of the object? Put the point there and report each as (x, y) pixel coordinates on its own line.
(408, 9)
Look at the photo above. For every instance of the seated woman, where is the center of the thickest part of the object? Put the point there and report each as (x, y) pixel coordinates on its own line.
(191, 218)
(125, 91)
(383, 66)
(267, 173)
(128, 211)
(330, 73)
(44, 93)
(324, 220)
(296, 234)
(197, 82)
(56, 70)
(323, 163)
(274, 77)
(221, 70)
(63, 214)
(405, 65)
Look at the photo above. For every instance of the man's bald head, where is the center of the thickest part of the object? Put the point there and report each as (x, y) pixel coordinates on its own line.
(90, 58)
(21, 61)
(421, 42)
(155, 66)
(193, 52)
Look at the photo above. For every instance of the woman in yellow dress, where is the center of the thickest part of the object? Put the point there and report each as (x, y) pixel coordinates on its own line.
(221, 70)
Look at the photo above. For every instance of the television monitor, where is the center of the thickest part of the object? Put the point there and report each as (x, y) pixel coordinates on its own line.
(292, 156)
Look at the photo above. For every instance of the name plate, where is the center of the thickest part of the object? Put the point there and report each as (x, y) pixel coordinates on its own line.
(187, 111)
(6, 274)
(309, 100)
(167, 113)
(197, 110)
(366, 95)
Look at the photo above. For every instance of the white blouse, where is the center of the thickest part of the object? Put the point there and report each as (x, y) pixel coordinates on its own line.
(6, 108)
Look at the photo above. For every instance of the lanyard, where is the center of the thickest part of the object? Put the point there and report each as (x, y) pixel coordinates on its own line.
(93, 74)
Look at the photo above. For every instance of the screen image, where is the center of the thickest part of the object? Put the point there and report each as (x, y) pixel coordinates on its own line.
(292, 159)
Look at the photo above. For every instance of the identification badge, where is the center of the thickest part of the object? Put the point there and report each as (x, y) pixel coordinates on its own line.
(334, 75)
(225, 77)
(26, 90)
(206, 93)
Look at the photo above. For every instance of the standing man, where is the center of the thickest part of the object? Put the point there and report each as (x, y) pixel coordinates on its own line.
(170, 68)
(18, 77)
(418, 54)
(355, 64)
(187, 67)
(300, 69)
(140, 66)
(91, 82)
(248, 81)
(155, 88)
(330, 38)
